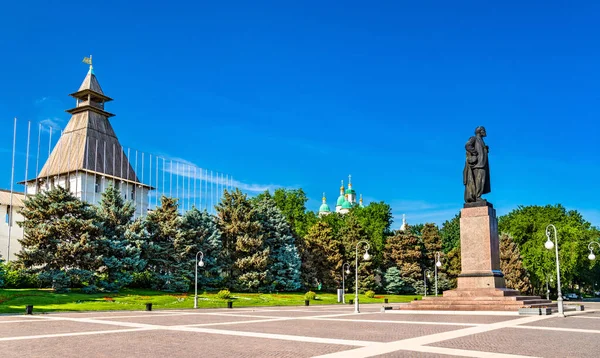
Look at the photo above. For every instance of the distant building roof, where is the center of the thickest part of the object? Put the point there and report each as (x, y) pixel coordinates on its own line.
(17, 198)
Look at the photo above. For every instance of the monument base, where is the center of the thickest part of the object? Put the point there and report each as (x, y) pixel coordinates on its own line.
(479, 299)
(481, 285)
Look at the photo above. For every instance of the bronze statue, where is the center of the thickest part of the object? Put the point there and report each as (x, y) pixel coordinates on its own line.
(476, 175)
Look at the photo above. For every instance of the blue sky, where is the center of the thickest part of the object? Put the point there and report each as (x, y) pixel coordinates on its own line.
(301, 95)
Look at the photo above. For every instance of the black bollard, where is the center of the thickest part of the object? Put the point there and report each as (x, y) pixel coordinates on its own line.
(148, 306)
(307, 302)
(29, 309)
(385, 300)
(230, 304)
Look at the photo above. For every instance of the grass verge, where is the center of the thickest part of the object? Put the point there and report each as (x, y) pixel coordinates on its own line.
(14, 301)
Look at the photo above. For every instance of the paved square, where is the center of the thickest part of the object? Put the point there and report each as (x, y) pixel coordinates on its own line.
(321, 331)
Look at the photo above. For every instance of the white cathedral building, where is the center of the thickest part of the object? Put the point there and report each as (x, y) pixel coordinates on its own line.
(86, 160)
(345, 202)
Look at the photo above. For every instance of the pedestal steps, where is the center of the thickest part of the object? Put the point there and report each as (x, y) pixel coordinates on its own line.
(470, 302)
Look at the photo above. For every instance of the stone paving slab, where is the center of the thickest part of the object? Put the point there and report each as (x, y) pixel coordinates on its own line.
(13, 318)
(40, 327)
(574, 322)
(412, 354)
(183, 319)
(432, 318)
(95, 314)
(276, 314)
(362, 331)
(532, 342)
(162, 344)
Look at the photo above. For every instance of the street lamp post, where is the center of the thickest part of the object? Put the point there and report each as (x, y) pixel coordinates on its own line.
(426, 275)
(548, 280)
(438, 263)
(201, 264)
(549, 245)
(366, 257)
(591, 256)
(344, 273)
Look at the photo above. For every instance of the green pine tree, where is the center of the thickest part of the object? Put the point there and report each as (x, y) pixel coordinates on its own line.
(199, 232)
(60, 240)
(403, 250)
(515, 274)
(120, 257)
(243, 242)
(452, 265)
(351, 234)
(324, 250)
(450, 233)
(163, 225)
(284, 260)
(432, 243)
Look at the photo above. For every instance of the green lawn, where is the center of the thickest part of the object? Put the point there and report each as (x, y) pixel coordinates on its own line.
(14, 301)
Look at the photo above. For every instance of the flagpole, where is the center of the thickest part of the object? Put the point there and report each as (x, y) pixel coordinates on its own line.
(142, 189)
(189, 185)
(149, 180)
(37, 159)
(12, 181)
(27, 156)
(95, 172)
(49, 151)
(87, 167)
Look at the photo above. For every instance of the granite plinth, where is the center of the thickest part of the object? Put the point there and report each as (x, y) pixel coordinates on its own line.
(480, 248)
(483, 299)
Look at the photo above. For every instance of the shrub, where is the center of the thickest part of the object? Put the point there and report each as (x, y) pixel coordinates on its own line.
(144, 279)
(370, 294)
(2, 272)
(310, 295)
(17, 277)
(224, 294)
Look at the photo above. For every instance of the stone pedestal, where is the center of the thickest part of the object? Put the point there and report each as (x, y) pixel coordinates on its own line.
(481, 284)
(479, 248)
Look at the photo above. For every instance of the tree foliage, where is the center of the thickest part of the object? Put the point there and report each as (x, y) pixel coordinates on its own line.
(199, 233)
(351, 234)
(324, 254)
(59, 239)
(527, 226)
(284, 259)
(515, 275)
(403, 250)
(450, 234)
(243, 242)
(163, 226)
(119, 256)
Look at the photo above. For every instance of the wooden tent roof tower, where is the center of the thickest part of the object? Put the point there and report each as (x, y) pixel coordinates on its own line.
(89, 143)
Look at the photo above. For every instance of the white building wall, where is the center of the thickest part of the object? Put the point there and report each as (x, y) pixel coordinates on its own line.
(16, 233)
(89, 188)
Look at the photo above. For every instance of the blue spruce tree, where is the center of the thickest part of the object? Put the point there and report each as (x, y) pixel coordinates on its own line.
(60, 240)
(163, 226)
(199, 232)
(120, 257)
(284, 260)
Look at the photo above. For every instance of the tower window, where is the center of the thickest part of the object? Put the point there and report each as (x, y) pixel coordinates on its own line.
(97, 184)
(7, 219)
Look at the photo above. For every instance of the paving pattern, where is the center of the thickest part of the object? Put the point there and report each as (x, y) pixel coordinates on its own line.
(316, 331)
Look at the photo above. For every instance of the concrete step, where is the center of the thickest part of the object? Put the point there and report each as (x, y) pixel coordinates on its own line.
(482, 292)
(443, 307)
(513, 303)
(482, 298)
